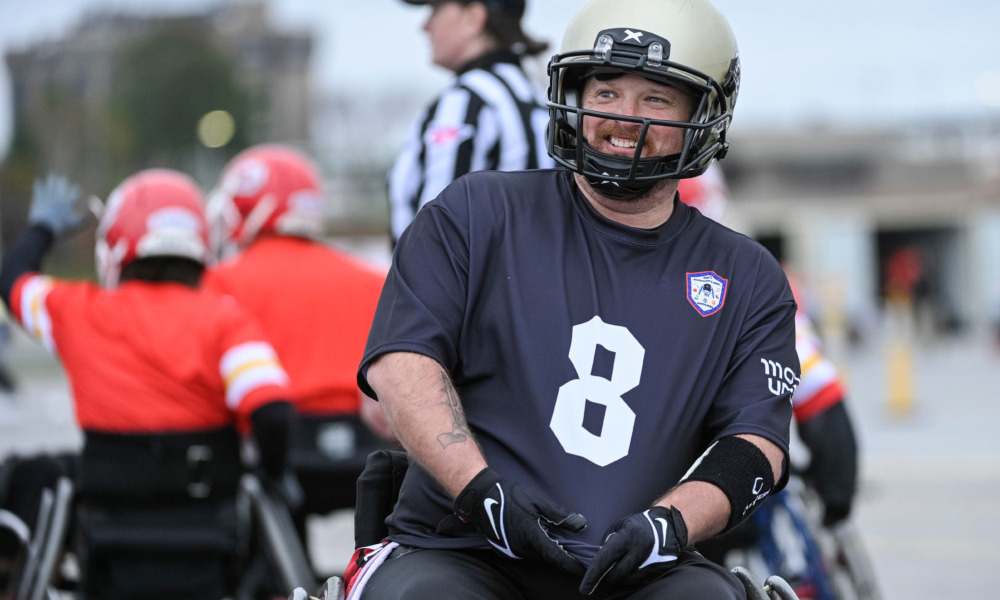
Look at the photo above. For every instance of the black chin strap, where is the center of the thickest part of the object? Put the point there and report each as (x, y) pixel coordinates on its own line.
(620, 190)
(617, 168)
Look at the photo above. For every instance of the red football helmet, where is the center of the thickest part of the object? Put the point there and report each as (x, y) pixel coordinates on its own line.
(156, 212)
(266, 189)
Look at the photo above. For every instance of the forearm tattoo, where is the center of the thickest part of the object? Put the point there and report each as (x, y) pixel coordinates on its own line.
(460, 431)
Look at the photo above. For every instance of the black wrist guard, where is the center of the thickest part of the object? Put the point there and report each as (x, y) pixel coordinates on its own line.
(740, 470)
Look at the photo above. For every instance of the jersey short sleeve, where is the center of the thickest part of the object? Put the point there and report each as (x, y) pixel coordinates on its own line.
(28, 307)
(764, 365)
(423, 300)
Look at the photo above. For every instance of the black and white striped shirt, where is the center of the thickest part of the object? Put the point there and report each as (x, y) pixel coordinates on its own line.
(492, 117)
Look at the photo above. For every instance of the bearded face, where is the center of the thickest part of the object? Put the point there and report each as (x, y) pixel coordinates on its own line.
(633, 96)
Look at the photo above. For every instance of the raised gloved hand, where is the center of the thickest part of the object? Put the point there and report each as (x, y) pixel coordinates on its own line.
(640, 546)
(517, 521)
(57, 205)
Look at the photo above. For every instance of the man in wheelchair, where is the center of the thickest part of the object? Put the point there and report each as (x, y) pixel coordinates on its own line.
(377, 493)
(587, 375)
(168, 382)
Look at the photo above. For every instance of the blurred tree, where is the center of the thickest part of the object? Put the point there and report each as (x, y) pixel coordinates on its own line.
(16, 174)
(163, 84)
(163, 78)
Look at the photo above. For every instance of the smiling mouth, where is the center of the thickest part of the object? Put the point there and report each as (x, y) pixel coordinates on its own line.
(618, 142)
(615, 140)
(619, 145)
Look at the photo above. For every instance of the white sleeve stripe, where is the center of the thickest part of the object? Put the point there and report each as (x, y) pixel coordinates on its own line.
(813, 381)
(247, 366)
(251, 379)
(34, 313)
(239, 355)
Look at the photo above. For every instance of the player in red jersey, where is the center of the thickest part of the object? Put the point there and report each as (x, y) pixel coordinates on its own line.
(166, 378)
(315, 304)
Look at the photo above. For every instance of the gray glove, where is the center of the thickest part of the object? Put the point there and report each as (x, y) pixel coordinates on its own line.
(57, 205)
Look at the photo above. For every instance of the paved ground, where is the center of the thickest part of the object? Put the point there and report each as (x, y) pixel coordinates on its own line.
(928, 507)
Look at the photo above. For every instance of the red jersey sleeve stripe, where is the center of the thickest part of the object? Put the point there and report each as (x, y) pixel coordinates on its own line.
(824, 399)
(247, 367)
(31, 292)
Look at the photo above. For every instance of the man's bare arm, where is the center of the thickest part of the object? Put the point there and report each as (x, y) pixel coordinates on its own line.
(425, 412)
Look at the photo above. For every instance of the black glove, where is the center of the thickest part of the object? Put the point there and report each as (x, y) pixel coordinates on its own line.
(833, 468)
(516, 521)
(640, 546)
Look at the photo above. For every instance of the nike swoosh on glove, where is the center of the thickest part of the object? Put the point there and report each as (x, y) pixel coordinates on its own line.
(516, 521)
(640, 546)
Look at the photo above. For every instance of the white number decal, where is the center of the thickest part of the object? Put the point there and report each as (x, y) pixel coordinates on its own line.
(619, 420)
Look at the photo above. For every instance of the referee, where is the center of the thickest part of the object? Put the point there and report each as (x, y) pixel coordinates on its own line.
(492, 116)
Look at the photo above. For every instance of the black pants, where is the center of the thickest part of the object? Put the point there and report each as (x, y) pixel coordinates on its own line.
(413, 574)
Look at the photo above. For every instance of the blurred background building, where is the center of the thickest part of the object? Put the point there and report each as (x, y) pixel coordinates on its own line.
(865, 154)
(120, 92)
(839, 201)
(842, 206)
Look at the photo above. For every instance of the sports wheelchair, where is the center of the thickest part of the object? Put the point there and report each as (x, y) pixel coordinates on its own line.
(268, 557)
(785, 536)
(378, 489)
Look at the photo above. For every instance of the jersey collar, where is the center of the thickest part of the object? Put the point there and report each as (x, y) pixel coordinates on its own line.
(631, 235)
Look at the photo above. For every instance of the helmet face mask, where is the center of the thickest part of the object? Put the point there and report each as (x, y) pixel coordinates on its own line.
(688, 46)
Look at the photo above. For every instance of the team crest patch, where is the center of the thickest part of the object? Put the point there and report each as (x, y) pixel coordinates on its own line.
(706, 292)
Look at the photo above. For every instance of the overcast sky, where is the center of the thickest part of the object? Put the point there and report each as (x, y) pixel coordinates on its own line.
(804, 61)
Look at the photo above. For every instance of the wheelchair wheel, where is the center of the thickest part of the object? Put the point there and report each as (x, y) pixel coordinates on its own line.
(850, 566)
(774, 588)
(819, 562)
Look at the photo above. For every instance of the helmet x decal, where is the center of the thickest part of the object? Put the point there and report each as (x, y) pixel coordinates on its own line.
(633, 35)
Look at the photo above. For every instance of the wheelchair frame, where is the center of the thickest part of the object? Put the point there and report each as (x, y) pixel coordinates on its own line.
(833, 560)
(35, 568)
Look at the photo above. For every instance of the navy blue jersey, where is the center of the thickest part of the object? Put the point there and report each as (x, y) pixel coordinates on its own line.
(595, 361)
